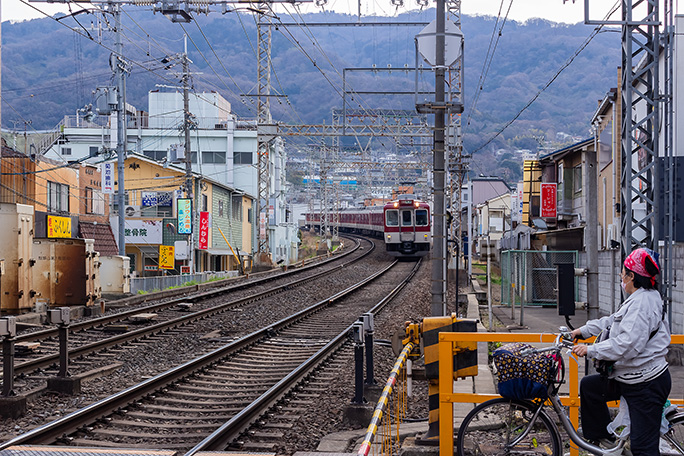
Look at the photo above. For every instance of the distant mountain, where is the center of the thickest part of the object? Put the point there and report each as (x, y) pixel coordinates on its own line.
(49, 71)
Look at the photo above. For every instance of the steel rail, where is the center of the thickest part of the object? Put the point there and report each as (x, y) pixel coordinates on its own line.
(48, 360)
(100, 409)
(92, 323)
(223, 436)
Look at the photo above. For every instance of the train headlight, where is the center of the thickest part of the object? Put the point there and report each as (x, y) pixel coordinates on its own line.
(389, 237)
(426, 236)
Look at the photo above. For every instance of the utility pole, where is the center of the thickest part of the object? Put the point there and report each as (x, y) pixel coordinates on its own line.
(121, 134)
(591, 228)
(187, 122)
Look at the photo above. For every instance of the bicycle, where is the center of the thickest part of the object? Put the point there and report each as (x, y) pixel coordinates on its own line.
(508, 426)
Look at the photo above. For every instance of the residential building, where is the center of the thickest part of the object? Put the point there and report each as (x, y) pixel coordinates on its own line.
(494, 219)
(152, 199)
(56, 188)
(223, 150)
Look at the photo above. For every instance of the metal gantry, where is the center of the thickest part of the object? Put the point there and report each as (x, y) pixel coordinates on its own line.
(263, 141)
(457, 163)
(647, 186)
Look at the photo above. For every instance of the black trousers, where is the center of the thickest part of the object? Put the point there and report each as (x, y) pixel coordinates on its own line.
(645, 401)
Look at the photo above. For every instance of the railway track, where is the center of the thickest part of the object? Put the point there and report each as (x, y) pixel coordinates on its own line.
(211, 400)
(96, 335)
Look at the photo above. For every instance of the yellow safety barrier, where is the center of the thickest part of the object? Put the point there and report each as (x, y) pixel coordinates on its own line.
(381, 416)
(447, 346)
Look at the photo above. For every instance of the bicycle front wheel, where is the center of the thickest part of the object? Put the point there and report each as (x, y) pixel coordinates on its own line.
(498, 427)
(672, 442)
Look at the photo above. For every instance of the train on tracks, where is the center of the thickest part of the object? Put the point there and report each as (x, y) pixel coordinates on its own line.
(404, 224)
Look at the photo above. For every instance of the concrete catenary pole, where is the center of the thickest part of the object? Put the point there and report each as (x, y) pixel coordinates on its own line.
(439, 251)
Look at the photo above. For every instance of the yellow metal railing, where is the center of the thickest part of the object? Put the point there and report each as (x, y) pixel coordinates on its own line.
(382, 417)
(447, 346)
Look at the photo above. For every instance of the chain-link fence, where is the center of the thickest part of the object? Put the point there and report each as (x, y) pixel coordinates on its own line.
(528, 277)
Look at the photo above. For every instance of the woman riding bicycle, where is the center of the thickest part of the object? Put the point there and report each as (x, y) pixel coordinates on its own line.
(637, 342)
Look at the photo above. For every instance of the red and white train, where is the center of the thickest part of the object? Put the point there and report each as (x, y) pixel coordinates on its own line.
(404, 224)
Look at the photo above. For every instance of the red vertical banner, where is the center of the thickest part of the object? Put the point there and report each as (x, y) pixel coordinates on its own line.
(203, 230)
(548, 200)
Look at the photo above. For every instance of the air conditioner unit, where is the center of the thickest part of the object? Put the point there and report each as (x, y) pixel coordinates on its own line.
(132, 211)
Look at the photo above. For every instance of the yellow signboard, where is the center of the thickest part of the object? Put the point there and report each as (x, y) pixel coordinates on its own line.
(166, 257)
(58, 227)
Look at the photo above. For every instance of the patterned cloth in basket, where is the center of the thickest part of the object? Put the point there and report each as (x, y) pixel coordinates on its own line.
(523, 377)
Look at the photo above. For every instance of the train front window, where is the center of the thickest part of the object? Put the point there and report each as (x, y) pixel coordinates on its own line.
(406, 219)
(392, 218)
(421, 217)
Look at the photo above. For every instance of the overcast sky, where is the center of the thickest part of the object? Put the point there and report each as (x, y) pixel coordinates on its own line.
(554, 10)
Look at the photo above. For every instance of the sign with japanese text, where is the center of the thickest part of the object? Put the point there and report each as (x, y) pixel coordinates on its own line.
(149, 199)
(548, 199)
(203, 241)
(142, 231)
(58, 227)
(184, 216)
(262, 225)
(521, 195)
(108, 178)
(514, 205)
(166, 259)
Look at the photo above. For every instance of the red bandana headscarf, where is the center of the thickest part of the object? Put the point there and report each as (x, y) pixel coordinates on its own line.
(636, 262)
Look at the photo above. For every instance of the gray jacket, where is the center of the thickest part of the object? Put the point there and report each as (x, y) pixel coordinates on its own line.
(630, 327)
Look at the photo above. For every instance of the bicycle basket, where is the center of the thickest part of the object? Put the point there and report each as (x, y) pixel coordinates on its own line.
(523, 377)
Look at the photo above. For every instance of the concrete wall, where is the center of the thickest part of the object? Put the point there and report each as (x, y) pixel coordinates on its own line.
(610, 267)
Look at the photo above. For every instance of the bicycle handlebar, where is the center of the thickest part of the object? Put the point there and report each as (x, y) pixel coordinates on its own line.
(563, 340)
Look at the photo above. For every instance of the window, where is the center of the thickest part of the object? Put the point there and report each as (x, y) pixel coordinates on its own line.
(193, 157)
(115, 202)
(237, 209)
(250, 215)
(209, 157)
(58, 197)
(66, 150)
(392, 218)
(89, 200)
(577, 179)
(156, 155)
(220, 208)
(205, 202)
(94, 201)
(94, 151)
(242, 158)
(421, 217)
(406, 218)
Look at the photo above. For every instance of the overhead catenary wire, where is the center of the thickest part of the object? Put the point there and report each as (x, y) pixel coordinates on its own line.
(489, 57)
(567, 63)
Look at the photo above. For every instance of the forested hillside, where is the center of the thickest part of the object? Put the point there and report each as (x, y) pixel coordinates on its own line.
(49, 71)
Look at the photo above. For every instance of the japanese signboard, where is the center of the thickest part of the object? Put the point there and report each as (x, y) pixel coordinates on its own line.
(184, 216)
(519, 211)
(262, 225)
(203, 241)
(149, 199)
(548, 199)
(166, 259)
(108, 178)
(58, 227)
(143, 231)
